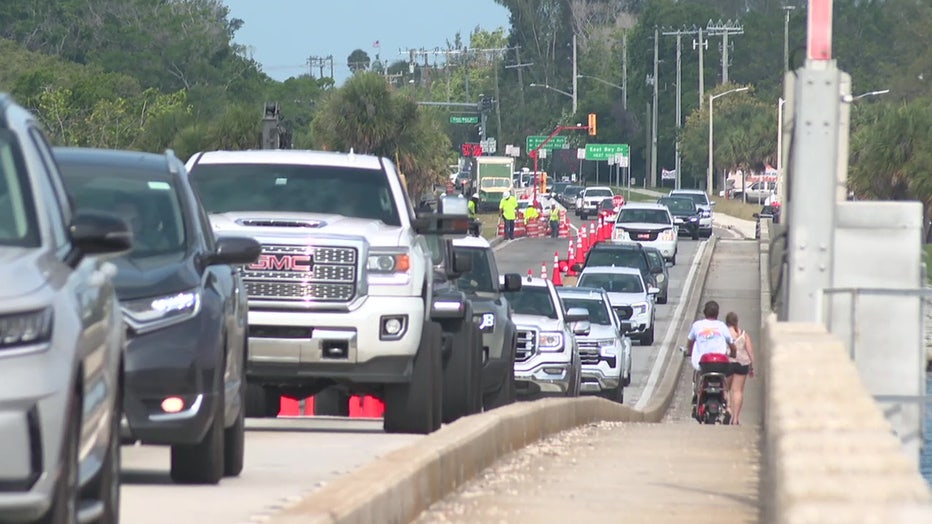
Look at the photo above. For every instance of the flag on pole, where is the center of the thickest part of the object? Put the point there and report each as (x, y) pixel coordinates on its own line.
(375, 44)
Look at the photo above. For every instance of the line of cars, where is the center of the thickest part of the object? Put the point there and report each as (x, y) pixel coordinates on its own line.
(122, 317)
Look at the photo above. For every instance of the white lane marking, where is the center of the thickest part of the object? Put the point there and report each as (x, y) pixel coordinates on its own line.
(665, 346)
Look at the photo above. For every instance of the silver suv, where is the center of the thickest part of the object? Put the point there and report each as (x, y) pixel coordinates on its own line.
(605, 352)
(61, 339)
(547, 356)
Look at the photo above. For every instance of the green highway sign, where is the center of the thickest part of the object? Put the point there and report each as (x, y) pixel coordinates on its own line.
(557, 142)
(606, 151)
(464, 119)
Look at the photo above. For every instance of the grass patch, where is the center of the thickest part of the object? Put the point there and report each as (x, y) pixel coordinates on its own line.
(736, 208)
(489, 224)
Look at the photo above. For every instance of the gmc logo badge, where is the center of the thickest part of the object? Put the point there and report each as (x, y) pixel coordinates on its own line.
(283, 263)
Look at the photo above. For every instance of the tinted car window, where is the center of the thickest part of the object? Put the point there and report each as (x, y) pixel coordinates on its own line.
(532, 300)
(479, 278)
(616, 257)
(612, 282)
(607, 204)
(598, 193)
(643, 216)
(699, 199)
(348, 191)
(148, 201)
(598, 312)
(18, 226)
(679, 206)
(654, 258)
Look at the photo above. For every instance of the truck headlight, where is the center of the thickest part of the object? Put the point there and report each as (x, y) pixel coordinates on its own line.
(24, 329)
(660, 277)
(668, 235)
(608, 345)
(149, 313)
(388, 263)
(621, 234)
(550, 341)
(639, 308)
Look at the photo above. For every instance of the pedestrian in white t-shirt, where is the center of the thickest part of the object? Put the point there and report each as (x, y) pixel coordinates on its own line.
(709, 335)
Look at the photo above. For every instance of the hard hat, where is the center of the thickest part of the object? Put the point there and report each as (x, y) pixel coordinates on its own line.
(507, 194)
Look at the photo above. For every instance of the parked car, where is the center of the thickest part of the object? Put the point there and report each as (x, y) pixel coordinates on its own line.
(630, 297)
(184, 306)
(648, 225)
(685, 214)
(658, 267)
(547, 356)
(620, 254)
(705, 208)
(61, 339)
(605, 352)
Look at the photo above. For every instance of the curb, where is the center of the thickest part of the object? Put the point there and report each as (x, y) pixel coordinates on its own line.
(400, 486)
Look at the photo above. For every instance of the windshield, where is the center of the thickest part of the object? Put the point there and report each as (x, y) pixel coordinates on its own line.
(486, 183)
(607, 204)
(612, 282)
(592, 193)
(348, 191)
(479, 278)
(147, 200)
(643, 216)
(698, 198)
(17, 211)
(654, 258)
(615, 257)
(598, 312)
(679, 206)
(532, 300)
(572, 190)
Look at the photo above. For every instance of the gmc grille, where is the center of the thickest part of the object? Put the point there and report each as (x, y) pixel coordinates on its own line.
(324, 274)
(527, 344)
(588, 352)
(623, 312)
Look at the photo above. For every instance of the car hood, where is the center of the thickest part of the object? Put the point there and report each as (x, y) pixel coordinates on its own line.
(625, 299)
(539, 322)
(22, 271)
(301, 225)
(643, 226)
(599, 332)
(154, 276)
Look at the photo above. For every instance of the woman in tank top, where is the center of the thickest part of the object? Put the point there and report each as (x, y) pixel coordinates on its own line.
(743, 366)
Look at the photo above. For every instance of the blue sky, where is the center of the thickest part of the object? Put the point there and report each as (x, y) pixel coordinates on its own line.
(282, 34)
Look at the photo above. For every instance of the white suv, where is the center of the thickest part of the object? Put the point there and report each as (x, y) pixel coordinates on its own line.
(649, 225)
(630, 297)
(705, 208)
(588, 201)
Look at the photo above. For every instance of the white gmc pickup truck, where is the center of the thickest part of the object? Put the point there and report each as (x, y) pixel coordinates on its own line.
(341, 294)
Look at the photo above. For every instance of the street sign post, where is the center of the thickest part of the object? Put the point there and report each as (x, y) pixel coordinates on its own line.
(606, 151)
(534, 141)
(464, 119)
(489, 145)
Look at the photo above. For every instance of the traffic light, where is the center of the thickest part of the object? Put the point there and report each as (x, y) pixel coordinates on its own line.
(591, 124)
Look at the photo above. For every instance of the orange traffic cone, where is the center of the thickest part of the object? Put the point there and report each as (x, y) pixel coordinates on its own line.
(543, 270)
(557, 278)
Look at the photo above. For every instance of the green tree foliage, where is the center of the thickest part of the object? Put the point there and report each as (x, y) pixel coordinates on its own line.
(367, 116)
(358, 61)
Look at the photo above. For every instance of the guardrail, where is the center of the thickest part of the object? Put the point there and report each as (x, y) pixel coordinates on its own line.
(829, 453)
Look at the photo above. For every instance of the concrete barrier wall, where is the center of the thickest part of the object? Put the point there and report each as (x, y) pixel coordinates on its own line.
(398, 487)
(829, 453)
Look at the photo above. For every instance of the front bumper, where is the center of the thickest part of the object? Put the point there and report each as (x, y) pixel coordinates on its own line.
(600, 377)
(294, 347)
(705, 223)
(544, 373)
(180, 360)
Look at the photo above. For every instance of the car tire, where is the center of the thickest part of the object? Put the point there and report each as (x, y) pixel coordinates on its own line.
(673, 259)
(262, 402)
(462, 381)
(331, 402)
(234, 437)
(409, 408)
(695, 234)
(662, 299)
(202, 463)
(648, 337)
(615, 395)
(507, 391)
(64, 507)
(107, 483)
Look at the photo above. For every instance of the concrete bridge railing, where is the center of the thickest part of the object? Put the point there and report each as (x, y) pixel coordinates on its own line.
(829, 454)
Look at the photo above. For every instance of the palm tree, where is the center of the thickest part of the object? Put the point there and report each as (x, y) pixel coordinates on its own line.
(358, 61)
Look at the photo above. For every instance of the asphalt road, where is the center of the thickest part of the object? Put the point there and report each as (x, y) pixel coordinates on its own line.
(287, 458)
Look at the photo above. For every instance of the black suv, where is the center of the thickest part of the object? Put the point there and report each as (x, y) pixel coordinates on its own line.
(684, 212)
(620, 254)
(184, 307)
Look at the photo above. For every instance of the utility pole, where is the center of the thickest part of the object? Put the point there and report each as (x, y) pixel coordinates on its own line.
(518, 65)
(702, 45)
(786, 36)
(624, 70)
(575, 75)
(653, 139)
(498, 105)
(724, 29)
(679, 93)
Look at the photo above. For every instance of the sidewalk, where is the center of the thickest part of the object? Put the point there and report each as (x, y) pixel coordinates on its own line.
(678, 471)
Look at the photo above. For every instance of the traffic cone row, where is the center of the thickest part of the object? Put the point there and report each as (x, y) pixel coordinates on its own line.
(360, 406)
